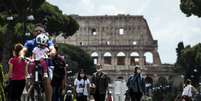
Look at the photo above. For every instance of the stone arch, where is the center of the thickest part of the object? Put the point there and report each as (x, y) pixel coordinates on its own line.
(121, 56)
(94, 56)
(134, 58)
(149, 59)
(148, 80)
(107, 58)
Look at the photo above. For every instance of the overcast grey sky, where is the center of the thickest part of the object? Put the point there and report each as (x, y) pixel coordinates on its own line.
(167, 23)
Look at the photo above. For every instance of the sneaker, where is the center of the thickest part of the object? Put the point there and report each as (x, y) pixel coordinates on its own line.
(45, 75)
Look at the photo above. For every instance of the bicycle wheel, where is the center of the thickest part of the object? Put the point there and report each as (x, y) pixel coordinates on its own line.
(38, 95)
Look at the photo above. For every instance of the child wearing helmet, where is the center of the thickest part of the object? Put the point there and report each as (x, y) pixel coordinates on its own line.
(40, 53)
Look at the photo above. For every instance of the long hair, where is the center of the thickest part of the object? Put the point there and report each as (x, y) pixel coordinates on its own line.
(80, 72)
(18, 47)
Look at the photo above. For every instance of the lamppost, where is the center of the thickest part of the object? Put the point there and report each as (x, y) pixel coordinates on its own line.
(26, 34)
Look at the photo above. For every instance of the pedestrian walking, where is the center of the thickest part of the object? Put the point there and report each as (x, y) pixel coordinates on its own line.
(59, 77)
(136, 85)
(16, 73)
(81, 84)
(188, 91)
(100, 83)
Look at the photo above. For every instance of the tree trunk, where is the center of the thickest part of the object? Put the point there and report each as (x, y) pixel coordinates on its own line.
(7, 44)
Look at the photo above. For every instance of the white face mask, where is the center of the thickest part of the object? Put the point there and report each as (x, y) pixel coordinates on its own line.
(99, 70)
(138, 71)
(82, 75)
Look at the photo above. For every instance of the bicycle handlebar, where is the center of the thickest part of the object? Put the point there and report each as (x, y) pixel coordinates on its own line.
(34, 60)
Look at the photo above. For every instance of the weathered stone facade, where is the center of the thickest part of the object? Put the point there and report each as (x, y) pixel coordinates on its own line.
(119, 43)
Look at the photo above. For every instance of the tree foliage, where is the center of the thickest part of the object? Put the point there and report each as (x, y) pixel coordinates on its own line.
(20, 8)
(191, 7)
(179, 49)
(43, 12)
(55, 21)
(179, 61)
(190, 61)
(11, 31)
(77, 58)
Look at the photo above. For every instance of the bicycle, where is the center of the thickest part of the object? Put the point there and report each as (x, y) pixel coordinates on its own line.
(35, 91)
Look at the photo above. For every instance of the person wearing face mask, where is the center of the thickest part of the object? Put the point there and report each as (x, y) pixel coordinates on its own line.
(136, 85)
(81, 84)
(100, 83)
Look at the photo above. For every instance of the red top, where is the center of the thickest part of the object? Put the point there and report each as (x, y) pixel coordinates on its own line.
(18, 72)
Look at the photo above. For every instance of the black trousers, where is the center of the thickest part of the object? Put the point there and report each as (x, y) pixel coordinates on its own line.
(81, 98)
(99, 97)
(15, 90)
(57, 93)
(136, 96)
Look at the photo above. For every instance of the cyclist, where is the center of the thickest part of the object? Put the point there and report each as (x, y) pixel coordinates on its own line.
(27, 50)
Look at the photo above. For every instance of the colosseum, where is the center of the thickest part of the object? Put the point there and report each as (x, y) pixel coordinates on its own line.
(119, 43)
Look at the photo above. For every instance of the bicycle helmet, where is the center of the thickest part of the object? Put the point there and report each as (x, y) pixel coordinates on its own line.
(42, 39)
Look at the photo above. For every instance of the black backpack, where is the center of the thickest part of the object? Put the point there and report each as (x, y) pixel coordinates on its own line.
(59, 68)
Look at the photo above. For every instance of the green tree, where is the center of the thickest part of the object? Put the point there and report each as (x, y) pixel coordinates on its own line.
(19, 10)
(55, 21)
(50, 15)
(77, 58)
(179, 62)
(190, 61)
(191, 7)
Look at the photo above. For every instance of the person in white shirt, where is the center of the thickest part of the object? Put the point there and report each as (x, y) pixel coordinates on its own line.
(119, 89)
(40, 53)
(188, 91)
(81, 84)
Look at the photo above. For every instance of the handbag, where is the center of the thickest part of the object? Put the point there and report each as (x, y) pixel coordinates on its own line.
(92, 89)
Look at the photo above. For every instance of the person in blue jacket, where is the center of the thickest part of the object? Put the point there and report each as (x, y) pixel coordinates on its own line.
(27, 51)
(136, 85)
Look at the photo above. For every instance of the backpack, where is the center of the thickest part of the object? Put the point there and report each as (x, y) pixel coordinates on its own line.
(59, 68)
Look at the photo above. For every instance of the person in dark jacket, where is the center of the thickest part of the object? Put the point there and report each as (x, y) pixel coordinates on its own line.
(59, 76)
(100, 83)
(136, 85)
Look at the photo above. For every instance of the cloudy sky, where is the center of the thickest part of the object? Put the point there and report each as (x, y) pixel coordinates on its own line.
(167, 23)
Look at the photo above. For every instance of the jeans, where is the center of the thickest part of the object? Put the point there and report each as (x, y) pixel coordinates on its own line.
(81, 97)
(57, 96)
(136, 96)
